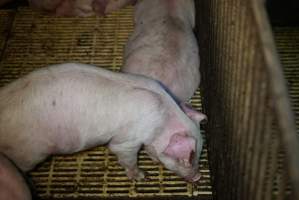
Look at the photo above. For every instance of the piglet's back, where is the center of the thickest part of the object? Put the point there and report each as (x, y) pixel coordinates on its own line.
(51, 110)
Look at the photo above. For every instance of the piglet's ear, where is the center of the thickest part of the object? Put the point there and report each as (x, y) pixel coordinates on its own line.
(197, 117)
(181, 148)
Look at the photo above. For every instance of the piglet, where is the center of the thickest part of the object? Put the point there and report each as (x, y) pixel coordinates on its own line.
(163, 45)
(12, 184)
(82, 8)
(69, 108)
(103, 7)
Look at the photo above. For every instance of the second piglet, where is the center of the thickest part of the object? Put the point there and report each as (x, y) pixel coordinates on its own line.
(68, 108)
(80, 8)
(163, 45)
(12, 184)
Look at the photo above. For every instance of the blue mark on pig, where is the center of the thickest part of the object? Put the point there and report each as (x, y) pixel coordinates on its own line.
(178, 102)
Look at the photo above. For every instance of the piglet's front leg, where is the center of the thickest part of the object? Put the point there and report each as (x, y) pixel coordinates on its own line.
(126, 153)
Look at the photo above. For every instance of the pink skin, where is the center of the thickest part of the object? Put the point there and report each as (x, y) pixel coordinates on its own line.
(116, 5)
(68, 108)
(181, 147)
(163, 45)
(197, 117)
(186, 148)
(81, 8)
(45, 5)
(181, 153)
(99, 6)
(66, 8)
(12, 184)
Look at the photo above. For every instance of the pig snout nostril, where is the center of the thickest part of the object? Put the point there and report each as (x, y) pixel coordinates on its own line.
(193, 177)
(196, 177)
(192, 156)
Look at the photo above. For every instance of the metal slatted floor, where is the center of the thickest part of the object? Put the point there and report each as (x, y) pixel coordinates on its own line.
(35, 41)
(287, 43)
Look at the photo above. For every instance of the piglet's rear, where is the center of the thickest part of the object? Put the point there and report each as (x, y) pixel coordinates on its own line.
(163, 45)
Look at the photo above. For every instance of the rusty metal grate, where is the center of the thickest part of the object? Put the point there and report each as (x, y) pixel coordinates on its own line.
(36, 41)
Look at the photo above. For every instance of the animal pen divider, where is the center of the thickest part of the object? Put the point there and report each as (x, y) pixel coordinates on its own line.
(252, 142)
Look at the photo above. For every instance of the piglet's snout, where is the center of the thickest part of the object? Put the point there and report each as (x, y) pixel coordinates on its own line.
(193, 178)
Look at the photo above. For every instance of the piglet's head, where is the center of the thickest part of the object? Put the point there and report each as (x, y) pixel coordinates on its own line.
(179, 149)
